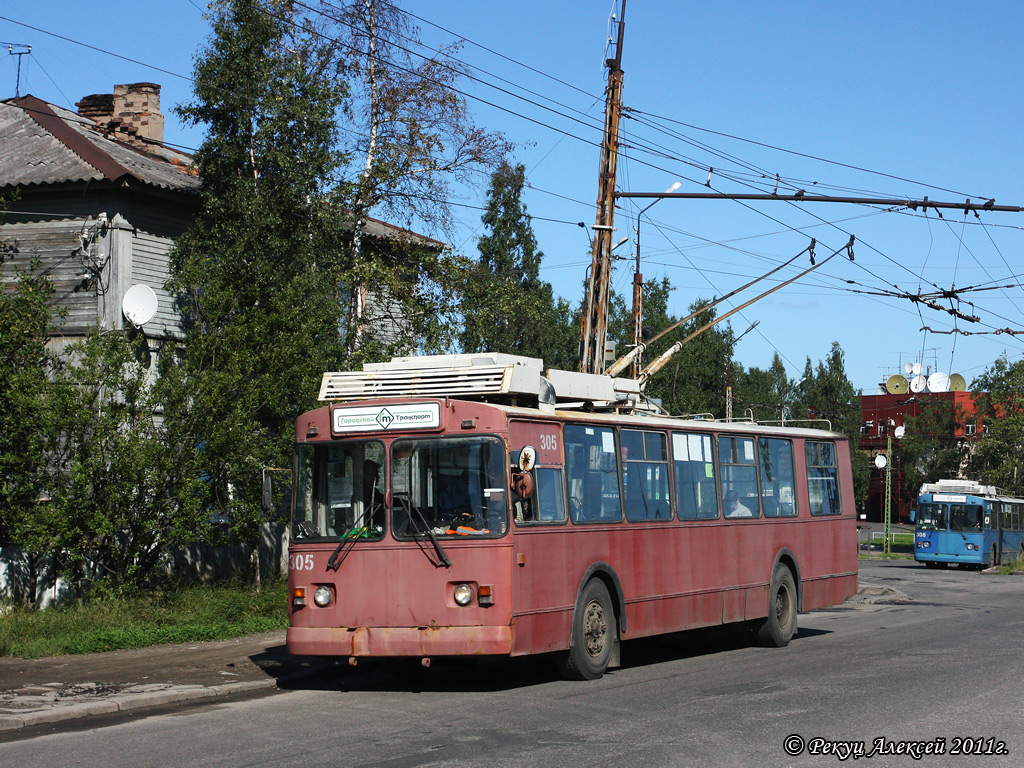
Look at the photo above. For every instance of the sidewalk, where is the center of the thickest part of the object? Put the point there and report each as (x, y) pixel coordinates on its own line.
(38, 691)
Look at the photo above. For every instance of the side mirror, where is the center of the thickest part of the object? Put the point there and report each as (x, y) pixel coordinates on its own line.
(522, 484)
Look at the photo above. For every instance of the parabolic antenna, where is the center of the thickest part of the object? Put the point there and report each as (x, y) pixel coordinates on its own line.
(957, 383)
(917, 369)
(139, 304)
(909, 367)
(897, 385)
(918, 384)
(938, 382)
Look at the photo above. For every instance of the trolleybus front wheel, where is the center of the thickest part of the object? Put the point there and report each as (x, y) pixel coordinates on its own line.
(779, 627)
(594, 632)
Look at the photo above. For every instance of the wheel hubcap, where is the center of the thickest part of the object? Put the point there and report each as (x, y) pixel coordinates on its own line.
(595, 628)
(782, 607)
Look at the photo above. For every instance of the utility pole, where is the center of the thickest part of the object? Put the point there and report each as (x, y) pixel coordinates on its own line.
(594, 330)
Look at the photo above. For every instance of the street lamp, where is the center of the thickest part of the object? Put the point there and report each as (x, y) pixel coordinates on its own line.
(638, 286)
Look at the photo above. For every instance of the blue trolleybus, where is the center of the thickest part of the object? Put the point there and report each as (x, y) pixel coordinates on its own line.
(964, 522)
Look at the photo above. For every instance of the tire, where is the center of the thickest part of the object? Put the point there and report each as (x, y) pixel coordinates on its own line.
(594, 634)
(778, 629)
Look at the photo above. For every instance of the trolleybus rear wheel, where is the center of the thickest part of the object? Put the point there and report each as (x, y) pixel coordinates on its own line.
(780, 626)
(594, 632)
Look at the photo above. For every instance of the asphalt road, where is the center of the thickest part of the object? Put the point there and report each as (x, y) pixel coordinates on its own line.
(937, 661)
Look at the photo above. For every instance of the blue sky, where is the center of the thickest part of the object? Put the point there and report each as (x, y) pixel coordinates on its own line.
(925, 99)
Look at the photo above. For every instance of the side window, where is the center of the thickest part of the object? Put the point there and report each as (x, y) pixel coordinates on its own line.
(550, 496)
(823, 478)
(645, 475)
(739, 477)
(694, 466)
(593, 474)
(778, 492)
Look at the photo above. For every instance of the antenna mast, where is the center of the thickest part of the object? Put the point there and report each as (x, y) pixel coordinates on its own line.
(19, 54)
(595, 306)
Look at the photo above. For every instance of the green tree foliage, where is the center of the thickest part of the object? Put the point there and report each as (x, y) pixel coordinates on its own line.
(930, 449)
(694, 380)
(24, 361)
(107, 505)
(259, 270)
(506, 306)
(763, 392)
(998, 457)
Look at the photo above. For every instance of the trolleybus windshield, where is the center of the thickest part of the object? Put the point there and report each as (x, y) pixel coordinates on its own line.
(964, 517)
(339, 491)
(452, 487)
(931, 517)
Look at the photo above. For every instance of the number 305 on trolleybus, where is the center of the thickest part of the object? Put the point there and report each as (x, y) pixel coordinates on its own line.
(472, 505)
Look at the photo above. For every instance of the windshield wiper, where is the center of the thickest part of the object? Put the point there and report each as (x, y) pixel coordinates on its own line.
(433, 539)
(348, 538)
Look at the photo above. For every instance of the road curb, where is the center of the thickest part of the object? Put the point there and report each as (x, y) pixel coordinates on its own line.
(130, 702)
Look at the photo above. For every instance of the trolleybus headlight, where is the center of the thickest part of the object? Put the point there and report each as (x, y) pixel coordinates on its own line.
(322, 596)
(463, 594)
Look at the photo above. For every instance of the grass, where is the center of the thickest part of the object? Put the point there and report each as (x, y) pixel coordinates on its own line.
(184, 615)
(1014, 566)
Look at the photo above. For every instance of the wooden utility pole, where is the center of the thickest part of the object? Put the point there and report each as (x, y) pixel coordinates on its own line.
(594, 328)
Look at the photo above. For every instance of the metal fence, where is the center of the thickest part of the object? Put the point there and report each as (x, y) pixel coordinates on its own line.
(25, 580)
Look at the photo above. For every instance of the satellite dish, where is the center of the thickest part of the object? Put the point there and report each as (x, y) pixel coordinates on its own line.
(938, 382)
(880, 461)
(917, 368)
(918, 384)
(899, 432)
(957, 383)
(896, 385)
(909, 367)
(139, 304)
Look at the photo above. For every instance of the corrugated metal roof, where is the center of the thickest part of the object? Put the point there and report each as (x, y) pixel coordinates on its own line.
(42, 144)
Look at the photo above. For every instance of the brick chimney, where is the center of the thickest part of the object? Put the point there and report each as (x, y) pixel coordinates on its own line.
(98, 107)
(132, 112)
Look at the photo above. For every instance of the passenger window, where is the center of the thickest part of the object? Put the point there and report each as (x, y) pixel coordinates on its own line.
(645, 475)
(822, 478)
(739, 477)
(549, 500)
(593, 474)
(694, 467)
(778, 494)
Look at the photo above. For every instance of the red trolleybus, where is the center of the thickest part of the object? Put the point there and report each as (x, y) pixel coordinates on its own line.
(469, 505)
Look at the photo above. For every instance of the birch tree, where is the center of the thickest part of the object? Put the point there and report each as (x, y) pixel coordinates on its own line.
(411, 137)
